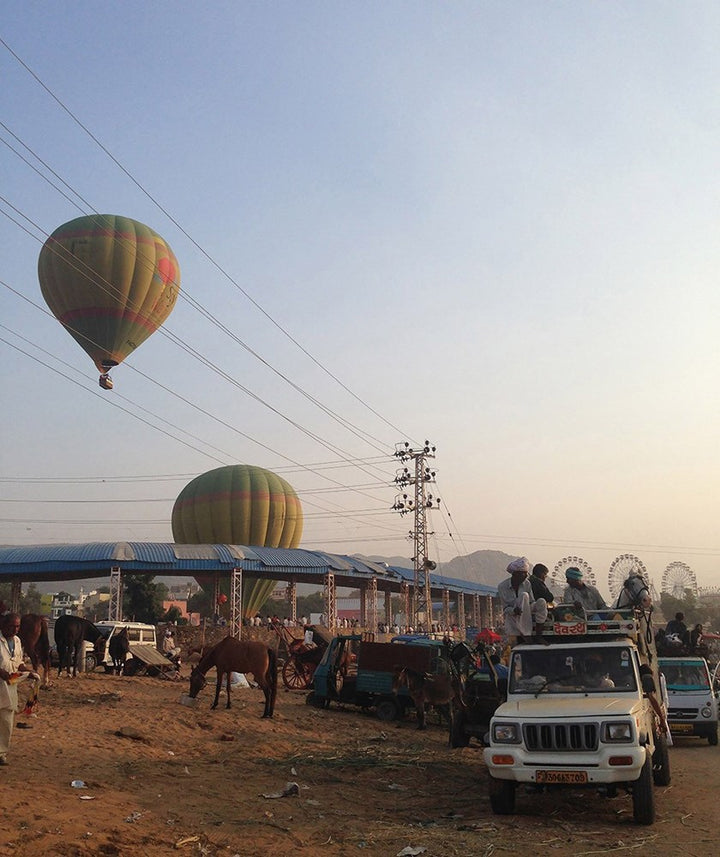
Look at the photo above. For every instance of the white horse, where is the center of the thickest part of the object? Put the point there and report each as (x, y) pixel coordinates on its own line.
(635, 593)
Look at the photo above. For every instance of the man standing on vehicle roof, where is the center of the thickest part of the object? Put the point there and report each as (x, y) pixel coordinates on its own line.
(520, 607)
(581, 594)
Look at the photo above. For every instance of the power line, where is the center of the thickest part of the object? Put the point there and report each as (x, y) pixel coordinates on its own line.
(164, 330)
(212, 261)
(177, 395)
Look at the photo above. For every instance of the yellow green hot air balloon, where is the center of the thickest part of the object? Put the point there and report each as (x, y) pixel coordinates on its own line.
(240, 505)
(111, 281)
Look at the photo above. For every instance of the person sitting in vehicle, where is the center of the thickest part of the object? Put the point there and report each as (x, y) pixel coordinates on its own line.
(676, 629)
(696, 636)
(595, 675)
(537, 582)
(582, 594)
(522, 612)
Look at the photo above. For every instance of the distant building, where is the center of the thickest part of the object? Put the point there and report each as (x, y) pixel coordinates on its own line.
(348, 608)
(95, 605)
(63, 604)
(192, 618)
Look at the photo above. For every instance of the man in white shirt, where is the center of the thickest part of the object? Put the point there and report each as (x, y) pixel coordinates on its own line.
(12, 661)
(520, 608)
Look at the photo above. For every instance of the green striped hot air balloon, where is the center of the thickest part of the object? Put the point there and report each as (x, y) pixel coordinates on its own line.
(111, 281)
(241, 505)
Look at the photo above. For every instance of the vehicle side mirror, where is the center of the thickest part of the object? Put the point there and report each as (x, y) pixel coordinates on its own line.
(648, 684)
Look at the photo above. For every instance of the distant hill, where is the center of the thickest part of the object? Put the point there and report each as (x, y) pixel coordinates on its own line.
(484, 566)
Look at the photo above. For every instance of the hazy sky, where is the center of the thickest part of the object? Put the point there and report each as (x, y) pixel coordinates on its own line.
(496, 224)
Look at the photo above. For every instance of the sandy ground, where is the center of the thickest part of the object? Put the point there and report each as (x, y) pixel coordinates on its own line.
(192, 781)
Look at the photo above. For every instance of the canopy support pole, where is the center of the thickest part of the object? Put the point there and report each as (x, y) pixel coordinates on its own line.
(236, 582)
(330, 601)
(461, 614)
(115, 605)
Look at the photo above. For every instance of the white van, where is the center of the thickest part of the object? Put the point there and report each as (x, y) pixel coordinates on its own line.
(693, 706)
(139, 634)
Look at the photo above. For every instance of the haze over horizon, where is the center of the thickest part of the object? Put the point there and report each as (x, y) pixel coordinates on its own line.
(494, 226)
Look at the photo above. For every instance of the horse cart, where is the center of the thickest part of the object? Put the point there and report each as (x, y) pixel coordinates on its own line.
(301, 660)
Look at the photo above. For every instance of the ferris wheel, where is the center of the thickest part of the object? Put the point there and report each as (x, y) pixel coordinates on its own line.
(621, 568)
(677, 578)
(559, 582)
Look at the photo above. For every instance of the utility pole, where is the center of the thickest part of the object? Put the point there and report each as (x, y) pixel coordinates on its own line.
(418, 476)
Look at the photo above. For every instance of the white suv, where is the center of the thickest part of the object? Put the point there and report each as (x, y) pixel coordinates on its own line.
(139, 634)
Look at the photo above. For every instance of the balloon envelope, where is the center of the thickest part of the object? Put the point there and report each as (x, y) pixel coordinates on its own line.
(111, 281)
(241, 505)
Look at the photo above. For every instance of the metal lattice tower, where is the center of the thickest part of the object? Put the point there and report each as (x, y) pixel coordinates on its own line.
(418, 477)
(330, 601)
(115, 604)
(236, 588)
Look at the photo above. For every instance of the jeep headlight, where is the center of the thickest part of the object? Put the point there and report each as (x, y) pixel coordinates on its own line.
(617, 733)
(706, 711)
(506, 733)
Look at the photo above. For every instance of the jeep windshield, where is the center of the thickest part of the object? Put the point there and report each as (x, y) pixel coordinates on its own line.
(584, 669)
(685, 675)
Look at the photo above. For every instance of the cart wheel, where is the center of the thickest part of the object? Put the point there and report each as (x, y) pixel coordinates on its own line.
(387, 710)
(294, 676)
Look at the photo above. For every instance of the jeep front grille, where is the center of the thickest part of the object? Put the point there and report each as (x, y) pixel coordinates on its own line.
(563, 737)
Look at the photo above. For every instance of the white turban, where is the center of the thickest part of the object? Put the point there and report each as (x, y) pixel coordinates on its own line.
(521, 564)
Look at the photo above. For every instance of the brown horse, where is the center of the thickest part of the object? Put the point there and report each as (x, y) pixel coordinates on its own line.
(426, 689)
(36, 643)
(242, 656)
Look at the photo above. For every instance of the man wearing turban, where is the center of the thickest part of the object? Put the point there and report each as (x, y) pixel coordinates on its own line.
(581, 594)
(520, 607)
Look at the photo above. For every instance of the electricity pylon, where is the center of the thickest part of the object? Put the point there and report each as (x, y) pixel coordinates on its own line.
(418, 477)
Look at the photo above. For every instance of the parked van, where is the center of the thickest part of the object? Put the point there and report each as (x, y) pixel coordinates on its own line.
(693, 708)
(139, 634)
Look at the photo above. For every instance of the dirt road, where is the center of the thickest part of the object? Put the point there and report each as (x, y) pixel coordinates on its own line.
(162, 779)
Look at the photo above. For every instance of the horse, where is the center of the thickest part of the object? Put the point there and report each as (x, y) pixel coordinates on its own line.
(70, 633)
(36, 643)
(425, 689)
(119, 646)
(242, 656)
(635, 593)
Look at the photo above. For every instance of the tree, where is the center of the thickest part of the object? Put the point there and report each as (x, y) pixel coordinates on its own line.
(142, 599)
(312, 603)
(199, 602)
(31, 601)
(172, 615)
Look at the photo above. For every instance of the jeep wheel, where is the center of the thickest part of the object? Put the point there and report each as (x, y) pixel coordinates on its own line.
(661, 762)
(713, 738)
(643, 796)
(502, 796)
(90, 663)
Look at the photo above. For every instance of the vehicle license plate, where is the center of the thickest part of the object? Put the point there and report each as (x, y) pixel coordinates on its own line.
(560, 777)
(681, 727)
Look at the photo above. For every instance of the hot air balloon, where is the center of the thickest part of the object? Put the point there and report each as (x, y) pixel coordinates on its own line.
(111, 281)
(241, 505)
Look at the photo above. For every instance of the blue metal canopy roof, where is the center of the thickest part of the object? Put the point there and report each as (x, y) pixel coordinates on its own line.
(95, 559)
